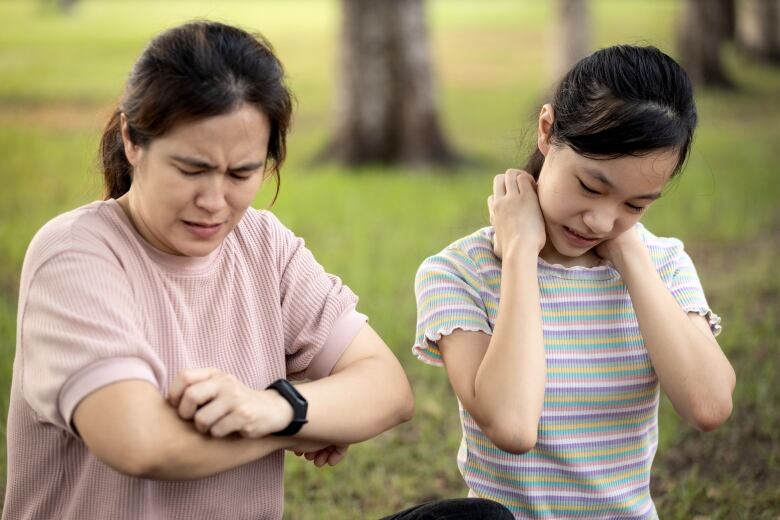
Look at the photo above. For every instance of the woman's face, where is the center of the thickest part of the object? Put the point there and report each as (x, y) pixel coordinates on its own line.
(192, 185)
(588, 201)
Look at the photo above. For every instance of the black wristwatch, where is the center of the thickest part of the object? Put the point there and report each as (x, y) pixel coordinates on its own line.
(298, 403)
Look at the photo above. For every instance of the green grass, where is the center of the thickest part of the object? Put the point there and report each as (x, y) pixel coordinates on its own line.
(373, 228)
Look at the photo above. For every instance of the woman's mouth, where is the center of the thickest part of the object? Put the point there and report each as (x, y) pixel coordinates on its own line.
(203, 230)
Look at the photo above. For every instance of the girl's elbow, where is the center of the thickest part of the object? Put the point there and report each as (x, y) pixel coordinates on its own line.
(709, 417)
(405, 407)
(513, 439)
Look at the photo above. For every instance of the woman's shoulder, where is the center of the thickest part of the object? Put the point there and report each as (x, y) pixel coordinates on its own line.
(87, 227)
(260, 227)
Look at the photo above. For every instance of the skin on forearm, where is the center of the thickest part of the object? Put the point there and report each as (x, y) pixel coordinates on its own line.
(366, 394)
(502, 384)
(691, 367)
(130, 427)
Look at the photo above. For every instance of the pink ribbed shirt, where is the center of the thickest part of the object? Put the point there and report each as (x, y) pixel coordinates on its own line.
(98, 305)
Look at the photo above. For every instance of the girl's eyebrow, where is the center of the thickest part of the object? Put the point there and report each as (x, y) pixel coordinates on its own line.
(596, 174)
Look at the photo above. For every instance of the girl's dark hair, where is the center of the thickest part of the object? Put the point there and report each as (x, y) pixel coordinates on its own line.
(194, 71)
(622, 100)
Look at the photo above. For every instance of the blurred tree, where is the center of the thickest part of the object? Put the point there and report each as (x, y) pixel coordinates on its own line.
(386, 100)
(759, 29)
(63, 6)
(573, 35)
(704, 27)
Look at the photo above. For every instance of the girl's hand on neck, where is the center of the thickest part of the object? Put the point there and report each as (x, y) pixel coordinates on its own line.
(622, 249)
(515, 214)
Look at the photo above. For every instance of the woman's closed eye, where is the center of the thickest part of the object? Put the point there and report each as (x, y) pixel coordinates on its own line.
(240, 176)
(187, 172)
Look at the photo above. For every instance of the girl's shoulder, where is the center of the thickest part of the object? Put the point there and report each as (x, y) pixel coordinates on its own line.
(666, 252)
(472, 252)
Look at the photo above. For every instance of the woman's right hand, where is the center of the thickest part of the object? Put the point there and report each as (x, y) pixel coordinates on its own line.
(515, 213)
(219, 404)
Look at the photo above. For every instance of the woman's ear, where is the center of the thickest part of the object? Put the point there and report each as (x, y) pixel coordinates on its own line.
(546, 118)
(132, 151)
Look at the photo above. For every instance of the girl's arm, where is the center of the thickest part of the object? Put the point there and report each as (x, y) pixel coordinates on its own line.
(691, 367)
(500, 379)
(366, 393)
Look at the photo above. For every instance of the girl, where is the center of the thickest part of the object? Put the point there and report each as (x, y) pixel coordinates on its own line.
(558, 324)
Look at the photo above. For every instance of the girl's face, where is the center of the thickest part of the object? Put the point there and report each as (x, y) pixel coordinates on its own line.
(587, 201)
(192, 185)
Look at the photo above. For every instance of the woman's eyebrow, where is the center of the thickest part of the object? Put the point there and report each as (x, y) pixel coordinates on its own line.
(196, 163)
(203, 165)
(596, 174)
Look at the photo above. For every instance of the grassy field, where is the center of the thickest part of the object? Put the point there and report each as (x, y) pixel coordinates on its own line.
(59, 76)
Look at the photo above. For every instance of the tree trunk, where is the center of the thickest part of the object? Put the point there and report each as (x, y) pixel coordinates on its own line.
(386, 103)
(702, 32)
(759, 29)
(573, 34)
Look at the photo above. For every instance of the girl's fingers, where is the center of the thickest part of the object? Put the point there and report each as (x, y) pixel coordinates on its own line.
(510, 181)
(499, 185)
(186, 378)
(525, 179)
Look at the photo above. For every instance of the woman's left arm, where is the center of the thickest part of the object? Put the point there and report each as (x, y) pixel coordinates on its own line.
(366, 393)
(691, 367)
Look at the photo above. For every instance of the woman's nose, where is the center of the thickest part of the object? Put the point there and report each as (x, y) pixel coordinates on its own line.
(211, 194)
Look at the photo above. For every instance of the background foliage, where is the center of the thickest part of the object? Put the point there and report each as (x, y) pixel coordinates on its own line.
(59, 76)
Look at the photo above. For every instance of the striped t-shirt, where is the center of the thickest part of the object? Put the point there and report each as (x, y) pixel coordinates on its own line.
(598, 429)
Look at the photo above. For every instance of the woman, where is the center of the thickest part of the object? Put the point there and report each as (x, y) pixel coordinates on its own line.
(157, 329)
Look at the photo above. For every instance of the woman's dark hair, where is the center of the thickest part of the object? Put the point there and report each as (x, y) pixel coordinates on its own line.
(194, 71)
(622, 100)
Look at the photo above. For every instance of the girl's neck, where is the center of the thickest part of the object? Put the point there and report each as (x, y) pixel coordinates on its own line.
(551, 255)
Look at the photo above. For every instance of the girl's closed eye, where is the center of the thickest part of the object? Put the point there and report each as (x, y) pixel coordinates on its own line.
(635, 209)
(587, 188)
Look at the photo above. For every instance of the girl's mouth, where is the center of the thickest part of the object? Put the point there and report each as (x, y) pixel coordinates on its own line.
(578, 239)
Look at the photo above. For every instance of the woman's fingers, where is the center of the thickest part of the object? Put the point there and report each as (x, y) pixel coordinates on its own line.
(196, 395)
(208, 417)
(186, 378)
(337, 454)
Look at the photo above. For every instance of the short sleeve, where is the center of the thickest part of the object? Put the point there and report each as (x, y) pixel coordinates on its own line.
(318, 312)
(78, 333)
(687, 290)
(448, 289)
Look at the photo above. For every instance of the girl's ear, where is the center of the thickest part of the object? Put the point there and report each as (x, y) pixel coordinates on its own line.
(132, 151)
(546, 118)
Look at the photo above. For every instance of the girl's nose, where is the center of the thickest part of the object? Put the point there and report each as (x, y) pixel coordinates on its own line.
(599, 221)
